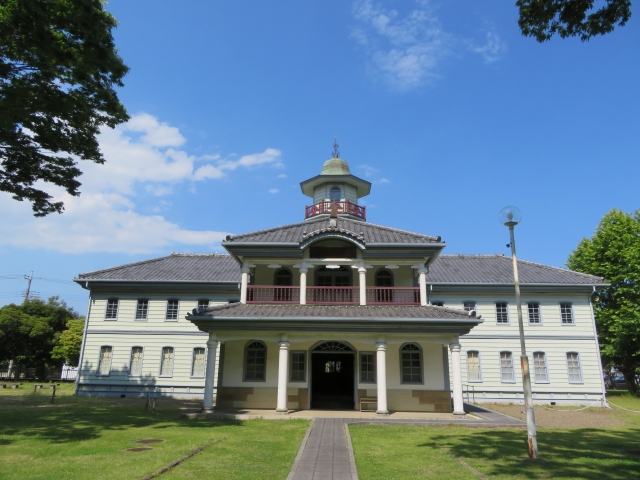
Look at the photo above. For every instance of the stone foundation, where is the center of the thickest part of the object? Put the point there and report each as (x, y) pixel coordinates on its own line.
(438, 401)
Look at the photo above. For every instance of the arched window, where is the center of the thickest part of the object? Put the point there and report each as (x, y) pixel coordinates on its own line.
(335, 194)
(411, 363)
(135, 362)
(255, 362)
(283, 278)
(384, 278)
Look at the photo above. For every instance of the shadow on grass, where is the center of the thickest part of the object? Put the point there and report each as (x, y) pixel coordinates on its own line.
(581, 453)
(73, 419)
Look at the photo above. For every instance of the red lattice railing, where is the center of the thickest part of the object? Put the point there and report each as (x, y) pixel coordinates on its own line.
(333, 295)
(272, 294)
(393, 296)
(341, 207)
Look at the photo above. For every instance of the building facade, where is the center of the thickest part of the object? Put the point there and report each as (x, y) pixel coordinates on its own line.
(337, 313)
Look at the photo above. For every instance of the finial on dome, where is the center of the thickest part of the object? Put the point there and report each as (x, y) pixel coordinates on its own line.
(336, 152)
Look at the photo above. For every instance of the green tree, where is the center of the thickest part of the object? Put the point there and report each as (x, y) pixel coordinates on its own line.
(29, 332)
(613, 252)
(58, 69)
(69, 343)
(571, 18)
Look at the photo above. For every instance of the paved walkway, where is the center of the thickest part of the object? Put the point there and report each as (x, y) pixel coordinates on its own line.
(326, 451)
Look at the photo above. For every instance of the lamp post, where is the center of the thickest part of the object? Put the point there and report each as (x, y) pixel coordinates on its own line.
(510, 217)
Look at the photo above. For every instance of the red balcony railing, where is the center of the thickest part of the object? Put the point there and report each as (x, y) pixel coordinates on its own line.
(341, 207)
(393, 296)
(333, 295)
(272, 294)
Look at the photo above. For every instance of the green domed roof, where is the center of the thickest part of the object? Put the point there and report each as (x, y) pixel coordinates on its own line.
(335, 166)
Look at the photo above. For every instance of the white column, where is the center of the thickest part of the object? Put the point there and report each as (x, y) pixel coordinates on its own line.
(243, 286)
(381, 378)
(283, 372)
(303, 286)
(423, 287)
(362, 274)
(456, 370)
(212, 347)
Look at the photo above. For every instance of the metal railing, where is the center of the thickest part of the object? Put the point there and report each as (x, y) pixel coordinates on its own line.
(333, 295)
(341, 207)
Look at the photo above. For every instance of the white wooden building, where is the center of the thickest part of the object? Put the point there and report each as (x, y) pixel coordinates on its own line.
(336, 312)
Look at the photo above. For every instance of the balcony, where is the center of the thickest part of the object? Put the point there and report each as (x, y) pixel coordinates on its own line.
(334, 295)
(346, 207)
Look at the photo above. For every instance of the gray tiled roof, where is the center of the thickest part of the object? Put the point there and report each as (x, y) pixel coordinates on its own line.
(372, 233)
(175, 267)
(482, 269)
(239, 310)
(488, 269)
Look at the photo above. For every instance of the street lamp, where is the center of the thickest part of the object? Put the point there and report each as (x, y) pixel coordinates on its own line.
(510, 217)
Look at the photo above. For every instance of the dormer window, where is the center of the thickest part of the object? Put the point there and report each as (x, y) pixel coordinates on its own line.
(335, 194)
(283, 278)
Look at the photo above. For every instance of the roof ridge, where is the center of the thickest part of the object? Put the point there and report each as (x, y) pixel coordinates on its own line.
(473, 255)
(290, 225)
(110, 269)
(214, 254)
(393, 229)
(551, 267)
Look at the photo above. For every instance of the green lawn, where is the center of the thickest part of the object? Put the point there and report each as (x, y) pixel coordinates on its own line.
(88, 437)
(405, 452)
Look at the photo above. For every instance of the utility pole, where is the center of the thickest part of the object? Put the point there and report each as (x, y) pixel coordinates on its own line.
(28, 290)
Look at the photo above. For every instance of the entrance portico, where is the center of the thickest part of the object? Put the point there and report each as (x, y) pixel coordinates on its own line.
(308, 361)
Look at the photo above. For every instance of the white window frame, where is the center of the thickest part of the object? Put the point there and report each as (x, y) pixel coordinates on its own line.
(193, 362)
(244, 362)
(202, 300)
(508, 322)
(173, 361)
(573, 316)
(304, 370)
(479, 379)
(513, 373)
(375, 368)
(535, 324)
(466, 302)
(166, 314)
(421, 358)
(131, 361)
(146, 310)
(106, 310)
(546, 367)
(98, 374)
(579, 367)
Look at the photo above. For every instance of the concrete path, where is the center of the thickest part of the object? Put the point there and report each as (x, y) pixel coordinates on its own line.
(326, 451)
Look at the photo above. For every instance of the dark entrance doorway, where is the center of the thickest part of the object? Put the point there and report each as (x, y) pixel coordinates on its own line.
(332, 376)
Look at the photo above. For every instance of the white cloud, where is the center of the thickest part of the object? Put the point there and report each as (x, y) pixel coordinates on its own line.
(383, 180)
(282, 175)
(492, 50)
(141, 155)
(405, 51)
(371, 173)
(274, 190)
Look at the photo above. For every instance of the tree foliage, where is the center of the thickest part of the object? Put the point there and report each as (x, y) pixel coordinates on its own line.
(613, 252)
(58, 69)
(571, 18)
(30, 332)
(69, 343)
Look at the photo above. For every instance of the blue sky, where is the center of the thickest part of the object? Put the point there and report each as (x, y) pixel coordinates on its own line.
(444, 106)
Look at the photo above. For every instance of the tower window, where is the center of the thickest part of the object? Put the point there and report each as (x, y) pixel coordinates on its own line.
(335, 194)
